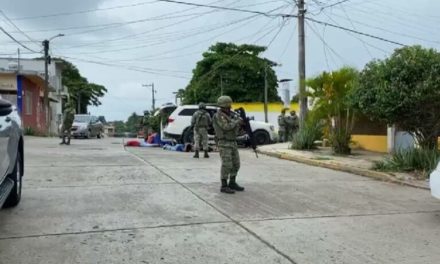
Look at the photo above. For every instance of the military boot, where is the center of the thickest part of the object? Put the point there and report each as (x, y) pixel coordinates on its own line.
(196, 154)
(68, 141)
(225, 188)
(234, 186)
(63, 141)
(206, 154)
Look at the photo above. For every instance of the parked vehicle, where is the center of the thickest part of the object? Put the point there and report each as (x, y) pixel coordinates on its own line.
(434, 182)
(178, 126)
(87, 126)
(11, 155)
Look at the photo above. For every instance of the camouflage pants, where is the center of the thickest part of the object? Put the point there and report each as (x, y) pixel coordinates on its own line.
(145, 130)
(282, 136)
(66, 133)
(201, 138)
(230, 160)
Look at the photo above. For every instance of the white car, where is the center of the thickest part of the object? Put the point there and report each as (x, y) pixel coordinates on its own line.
(434, 182)
(179, 124)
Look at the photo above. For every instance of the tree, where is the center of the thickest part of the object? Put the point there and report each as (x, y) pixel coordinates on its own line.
(133, 123)
(80, 90)
(331, 94)
(234, 70)
(119, 126)
(404, 90)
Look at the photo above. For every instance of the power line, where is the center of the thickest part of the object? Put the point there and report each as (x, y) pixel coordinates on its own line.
(19, 30)
(355, 31)
(84, 11)
(326, 44)
(130, 68)
(221, 7)
(16, 41)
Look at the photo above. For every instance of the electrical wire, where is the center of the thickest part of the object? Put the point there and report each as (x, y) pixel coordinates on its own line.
(16, 41)
(83, 11)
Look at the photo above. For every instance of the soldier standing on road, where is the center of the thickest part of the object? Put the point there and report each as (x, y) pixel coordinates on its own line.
(227, 127)
(201, 120)
(68, 117)
(146, 124)
(282, 126)
(292, 125)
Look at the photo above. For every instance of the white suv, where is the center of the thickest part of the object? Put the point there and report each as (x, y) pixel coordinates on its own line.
(179, 124)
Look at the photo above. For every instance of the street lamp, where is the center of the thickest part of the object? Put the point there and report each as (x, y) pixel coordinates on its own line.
(266, 118)
(46, 77)
(286, 91)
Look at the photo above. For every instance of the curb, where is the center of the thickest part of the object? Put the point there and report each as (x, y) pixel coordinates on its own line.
(381, 176)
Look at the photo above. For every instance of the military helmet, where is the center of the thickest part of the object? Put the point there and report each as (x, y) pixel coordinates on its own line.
(283, 111)
(293, 112)
(224, 101)
(202, 106)
(146, 112)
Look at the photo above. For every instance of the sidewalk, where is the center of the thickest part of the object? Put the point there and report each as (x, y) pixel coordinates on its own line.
(360, 163)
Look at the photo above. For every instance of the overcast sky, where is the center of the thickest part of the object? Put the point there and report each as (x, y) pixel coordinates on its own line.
(163, 41)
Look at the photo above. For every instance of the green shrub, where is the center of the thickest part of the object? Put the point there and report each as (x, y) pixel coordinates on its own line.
(29, 131)
(422, 161)
(309, 132)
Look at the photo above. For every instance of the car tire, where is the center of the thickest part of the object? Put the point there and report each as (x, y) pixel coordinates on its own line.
(261, 137)
(188, 136)
(98, 135)
(16, 175)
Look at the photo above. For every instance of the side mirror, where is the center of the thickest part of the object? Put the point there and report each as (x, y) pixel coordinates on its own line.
(5, 108)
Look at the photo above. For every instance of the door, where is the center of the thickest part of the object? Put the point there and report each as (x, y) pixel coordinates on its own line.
(5, 134)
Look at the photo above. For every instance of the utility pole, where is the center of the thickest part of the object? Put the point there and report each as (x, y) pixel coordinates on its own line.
(153, 91)
(266, 119)
(302, 61)
(46, 83)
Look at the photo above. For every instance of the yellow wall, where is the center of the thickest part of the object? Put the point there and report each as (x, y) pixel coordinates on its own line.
(8, 82)
(257, 107)
(371, 143)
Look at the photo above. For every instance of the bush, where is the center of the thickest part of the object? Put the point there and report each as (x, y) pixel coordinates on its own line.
(309, 132)
(422, 161)
(29, 131)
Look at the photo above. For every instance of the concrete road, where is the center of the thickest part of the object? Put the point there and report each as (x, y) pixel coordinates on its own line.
(95, 202)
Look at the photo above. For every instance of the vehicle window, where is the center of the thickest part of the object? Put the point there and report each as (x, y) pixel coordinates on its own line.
(82, 119)
(187, 112)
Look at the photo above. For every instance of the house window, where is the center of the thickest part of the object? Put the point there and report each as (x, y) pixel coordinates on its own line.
(28, 103)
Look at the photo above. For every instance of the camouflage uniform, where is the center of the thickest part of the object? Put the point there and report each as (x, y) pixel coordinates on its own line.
(201, 120)
(291, 125)
(68, 117)
(227, 128)
(282, 126)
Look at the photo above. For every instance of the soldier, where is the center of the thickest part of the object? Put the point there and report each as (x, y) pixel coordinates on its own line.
(292, 125)
(227, 127)
(68, 117)
(201, 120)
(146, 124)
(282, 126)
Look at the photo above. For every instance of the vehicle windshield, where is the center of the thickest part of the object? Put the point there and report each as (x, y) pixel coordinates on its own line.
(82, 119)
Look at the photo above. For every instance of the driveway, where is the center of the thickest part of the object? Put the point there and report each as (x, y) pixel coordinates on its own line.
(96, 202)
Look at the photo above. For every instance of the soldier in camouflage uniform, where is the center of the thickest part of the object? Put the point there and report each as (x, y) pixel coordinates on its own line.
(227, 127)
(68, 117)
(146, 124)
(292, 125)
(201, 120)
(282, 126)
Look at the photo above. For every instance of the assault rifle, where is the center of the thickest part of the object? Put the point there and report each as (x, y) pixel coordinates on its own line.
(247, 128)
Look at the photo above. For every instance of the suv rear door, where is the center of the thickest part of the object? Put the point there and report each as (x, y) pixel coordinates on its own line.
(5, 134)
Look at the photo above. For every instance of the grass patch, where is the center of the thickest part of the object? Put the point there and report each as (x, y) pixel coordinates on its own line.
(418, 160)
